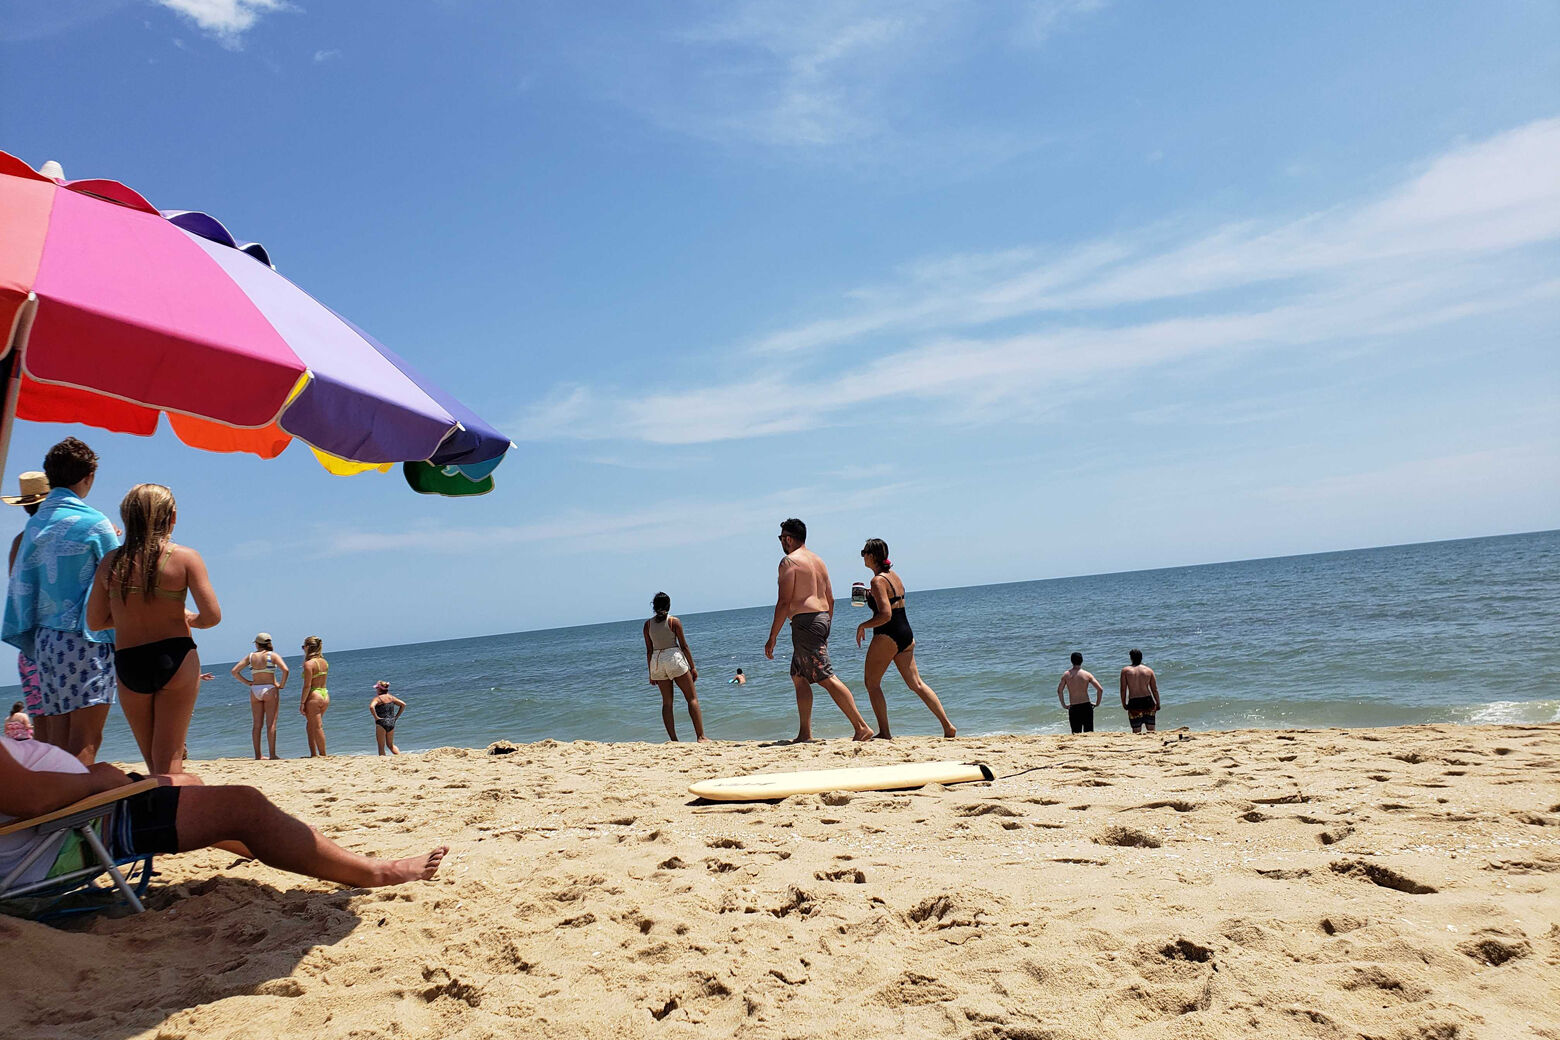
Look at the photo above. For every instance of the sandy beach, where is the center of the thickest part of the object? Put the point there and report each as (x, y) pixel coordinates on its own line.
(1389, 883)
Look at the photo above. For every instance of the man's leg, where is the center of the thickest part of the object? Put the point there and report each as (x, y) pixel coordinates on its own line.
(842, 696)
(214, 815)
(804, 698)
(84, 732)
(1148, 721)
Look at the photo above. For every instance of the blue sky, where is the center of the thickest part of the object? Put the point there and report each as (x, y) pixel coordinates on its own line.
(1027, 289)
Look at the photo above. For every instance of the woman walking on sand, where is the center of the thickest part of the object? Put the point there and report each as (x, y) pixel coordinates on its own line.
(670, 661)
(892, 639)
(385, 710)
(139, 592)
(316, 698)
(265, 693)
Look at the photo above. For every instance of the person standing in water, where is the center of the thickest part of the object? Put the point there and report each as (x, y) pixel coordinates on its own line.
(316, 698)
(265, 693)
(386, 710)
(1073, 692)
(737, 680)
(670, 661)
(807, 599)
(892, 639)
(1139, 693)
(139, 592)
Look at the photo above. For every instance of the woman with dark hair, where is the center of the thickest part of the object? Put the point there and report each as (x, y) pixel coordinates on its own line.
(670, 661)
(892, 639)
(139, 592)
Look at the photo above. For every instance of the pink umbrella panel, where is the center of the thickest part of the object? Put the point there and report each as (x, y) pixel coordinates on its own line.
(119, 313)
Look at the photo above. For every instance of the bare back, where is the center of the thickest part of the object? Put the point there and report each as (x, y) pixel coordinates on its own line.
(804, 583)
(1140, 681)
(1077, 681)
(140, 618)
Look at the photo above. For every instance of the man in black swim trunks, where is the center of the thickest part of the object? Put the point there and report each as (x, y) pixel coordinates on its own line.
(179, 816)
(1073, 692)
(807, 599)
(1139, 693)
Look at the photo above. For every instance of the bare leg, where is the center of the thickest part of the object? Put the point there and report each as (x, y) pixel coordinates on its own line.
(879, 653)
(379, 737)
(912, 677)
(84, 732)
(668, 719)
(804, 699)
(50, 729)
(138, 712)
(218, 815)
(315, 713)
(257, 714)
(390, 740)
(273, 708)
(172, 707)
(847, 703)
(685, 684)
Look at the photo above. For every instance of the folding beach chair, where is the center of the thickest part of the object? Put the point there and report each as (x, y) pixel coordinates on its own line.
(79, 858)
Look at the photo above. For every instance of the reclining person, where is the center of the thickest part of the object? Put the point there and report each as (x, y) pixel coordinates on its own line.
(181, 815)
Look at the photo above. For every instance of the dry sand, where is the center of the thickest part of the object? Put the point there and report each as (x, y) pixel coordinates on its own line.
(1392, 883)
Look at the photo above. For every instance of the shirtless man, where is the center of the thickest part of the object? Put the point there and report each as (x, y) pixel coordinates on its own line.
(807, 599)
(1139, 693)
(1073, 692)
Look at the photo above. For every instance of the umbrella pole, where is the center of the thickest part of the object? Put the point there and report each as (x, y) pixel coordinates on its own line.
(11, 374)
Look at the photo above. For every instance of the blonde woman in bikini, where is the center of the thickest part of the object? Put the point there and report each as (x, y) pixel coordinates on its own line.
(265, 693)
(316, 698)
(139, 591)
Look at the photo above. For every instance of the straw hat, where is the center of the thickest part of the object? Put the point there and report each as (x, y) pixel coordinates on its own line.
(34, 487)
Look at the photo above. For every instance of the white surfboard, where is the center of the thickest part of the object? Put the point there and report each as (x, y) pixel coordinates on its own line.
(761, 786)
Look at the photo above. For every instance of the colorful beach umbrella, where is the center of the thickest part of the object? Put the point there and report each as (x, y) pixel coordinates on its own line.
(114, 313)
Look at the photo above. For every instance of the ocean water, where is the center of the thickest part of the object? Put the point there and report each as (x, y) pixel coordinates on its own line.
(1447, 632)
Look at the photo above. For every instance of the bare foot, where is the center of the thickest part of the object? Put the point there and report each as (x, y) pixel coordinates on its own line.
(414, 868)
(950, 732)
(704, 740)
(862, 736)
(882, 734)
(804, 737)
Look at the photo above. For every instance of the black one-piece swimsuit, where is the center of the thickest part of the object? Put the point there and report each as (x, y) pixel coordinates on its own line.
(897, 627)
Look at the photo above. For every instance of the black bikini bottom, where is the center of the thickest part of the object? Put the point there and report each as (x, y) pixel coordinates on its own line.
(149, 667)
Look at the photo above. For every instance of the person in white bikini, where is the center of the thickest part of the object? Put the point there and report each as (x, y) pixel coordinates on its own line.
(265, 693)
(670, 661)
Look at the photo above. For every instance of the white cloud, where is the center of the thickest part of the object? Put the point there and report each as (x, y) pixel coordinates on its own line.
(837, 78)
(227, 20)
(651, 526)
(1446, 244)
(326, 55)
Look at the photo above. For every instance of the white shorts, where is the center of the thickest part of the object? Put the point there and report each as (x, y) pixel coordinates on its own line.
(668, 664)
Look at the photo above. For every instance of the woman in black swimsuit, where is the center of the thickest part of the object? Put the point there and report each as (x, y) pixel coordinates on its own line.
(385, 709)
(892, 639)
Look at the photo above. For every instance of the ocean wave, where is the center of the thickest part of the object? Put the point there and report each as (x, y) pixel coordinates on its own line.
(1505, 713)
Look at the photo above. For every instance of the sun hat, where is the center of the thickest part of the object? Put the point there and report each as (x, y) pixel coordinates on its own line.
(381, 685)
(34, 487)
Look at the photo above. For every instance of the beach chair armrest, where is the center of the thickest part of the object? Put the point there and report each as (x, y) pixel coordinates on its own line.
(75, 812)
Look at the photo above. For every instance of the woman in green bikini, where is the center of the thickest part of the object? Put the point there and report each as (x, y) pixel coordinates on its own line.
(316, 698)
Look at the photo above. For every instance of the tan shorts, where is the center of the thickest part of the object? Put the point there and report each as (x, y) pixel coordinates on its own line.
(668, 664)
